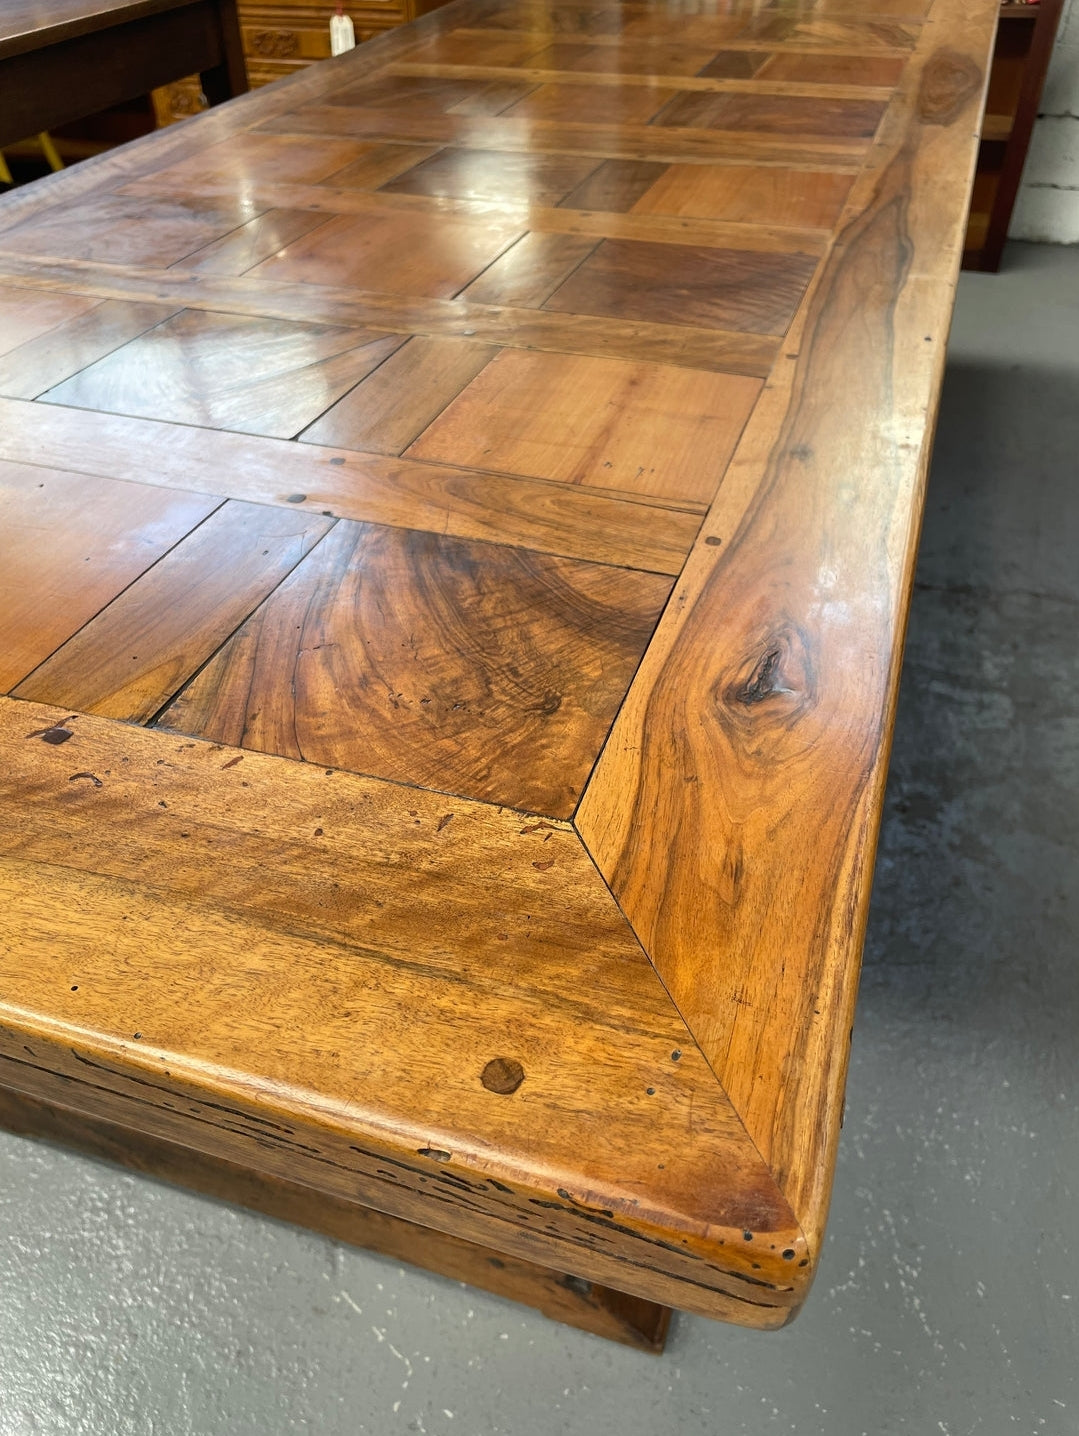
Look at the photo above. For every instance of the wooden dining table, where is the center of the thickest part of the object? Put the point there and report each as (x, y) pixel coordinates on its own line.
(459, 512)
(61, 60)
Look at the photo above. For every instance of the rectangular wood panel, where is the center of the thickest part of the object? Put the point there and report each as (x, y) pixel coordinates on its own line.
(63, 351)
(597, 422)
(130, 660)
(259, 376)
(24, 317)
(398, 654)
(387, 411)
(102, 534)
(716, 289)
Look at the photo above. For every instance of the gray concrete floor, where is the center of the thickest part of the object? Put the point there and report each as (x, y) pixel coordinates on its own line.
(948, 1300)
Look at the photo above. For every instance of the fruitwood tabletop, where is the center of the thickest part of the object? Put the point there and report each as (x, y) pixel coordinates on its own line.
(460, 506)
(61, 60)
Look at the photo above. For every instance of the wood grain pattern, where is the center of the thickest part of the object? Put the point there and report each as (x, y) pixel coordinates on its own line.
(634, 50)
(102, 535)
(608, 81)
(59, 353)
(832, 69)
(531, 270)
(617, 183)
(631, 142)
(822, 31)
(589, 274)
(379, 163)
(637, 428)
(121, 231)
(782, 664)
(775, 115)
(618, 104)
(712, 288)
(494, 674)
(420, 95)
(393, 253)
(258, 376)
(744, 193)
(243, 159)
(27, 316)
(129, 660)
(722, 351)
(495, 175)
(567, 1299)
(615, 186)
(454, 48)
(144, 927)
(570, 52)
(391, 408)
(551, 517)
(248, 245)
(735, 65)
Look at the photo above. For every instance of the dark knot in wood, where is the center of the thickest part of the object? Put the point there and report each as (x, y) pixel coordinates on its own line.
(949, 80)
(773, 683)
(761, 683)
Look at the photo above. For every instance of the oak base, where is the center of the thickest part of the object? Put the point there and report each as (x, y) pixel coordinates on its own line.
(604, 1312)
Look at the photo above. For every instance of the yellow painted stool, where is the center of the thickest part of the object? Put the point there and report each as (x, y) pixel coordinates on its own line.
(48, 149)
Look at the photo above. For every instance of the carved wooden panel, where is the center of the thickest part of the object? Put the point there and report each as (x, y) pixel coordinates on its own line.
(280, 39)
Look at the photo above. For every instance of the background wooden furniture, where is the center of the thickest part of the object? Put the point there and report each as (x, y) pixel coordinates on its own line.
(1021, 57)
(62, 59)
(456, 559)
(280, 39)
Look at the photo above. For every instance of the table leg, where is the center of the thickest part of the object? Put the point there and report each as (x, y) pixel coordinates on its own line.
(229, 78)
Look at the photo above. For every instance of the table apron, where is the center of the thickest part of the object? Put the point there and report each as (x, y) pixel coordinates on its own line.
(41, 89)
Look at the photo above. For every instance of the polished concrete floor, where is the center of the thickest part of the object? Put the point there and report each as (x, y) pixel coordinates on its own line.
(948, 1301)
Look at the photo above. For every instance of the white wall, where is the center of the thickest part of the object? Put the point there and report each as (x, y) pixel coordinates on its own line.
(1048, 204)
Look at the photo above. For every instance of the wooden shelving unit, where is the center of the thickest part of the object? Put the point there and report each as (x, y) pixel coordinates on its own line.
(1020, 62)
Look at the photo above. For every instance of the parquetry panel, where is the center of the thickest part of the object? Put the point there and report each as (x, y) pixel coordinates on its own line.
(124, 231)
(226, 371)
(637, 428)
(489, 672)
(712, 288)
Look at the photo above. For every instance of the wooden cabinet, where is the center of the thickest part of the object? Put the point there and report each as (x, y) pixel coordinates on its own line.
(1024, 45)
(279, 39)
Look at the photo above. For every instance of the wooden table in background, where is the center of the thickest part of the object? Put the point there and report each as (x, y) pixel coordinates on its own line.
(61, 60)
(459, 511)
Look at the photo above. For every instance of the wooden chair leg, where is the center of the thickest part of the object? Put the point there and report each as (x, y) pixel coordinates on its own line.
(600, 1310)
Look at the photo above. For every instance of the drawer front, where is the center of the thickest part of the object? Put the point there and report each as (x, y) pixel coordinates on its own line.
(275, 43)
(281, 38)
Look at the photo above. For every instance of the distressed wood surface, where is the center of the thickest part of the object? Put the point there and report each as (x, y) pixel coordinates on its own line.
(779, 663)
(249, 1005)
(562, 1297)
(460, 509)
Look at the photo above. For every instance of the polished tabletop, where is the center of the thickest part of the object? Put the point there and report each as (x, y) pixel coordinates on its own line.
(459, 514)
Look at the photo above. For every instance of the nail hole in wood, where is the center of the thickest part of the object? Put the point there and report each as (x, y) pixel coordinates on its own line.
(503, 1075)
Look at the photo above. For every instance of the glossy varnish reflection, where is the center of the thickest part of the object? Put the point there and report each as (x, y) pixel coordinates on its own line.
(449, 661)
